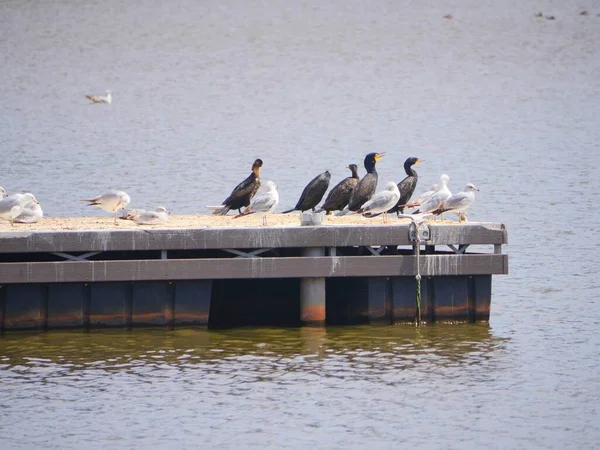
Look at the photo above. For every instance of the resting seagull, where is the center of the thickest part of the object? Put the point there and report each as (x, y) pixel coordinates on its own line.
(106, 98)
(382, 201)
(459, 203)
(31, 213)
(111, 201)
(159, 215)
(12, 206)
(264, 203)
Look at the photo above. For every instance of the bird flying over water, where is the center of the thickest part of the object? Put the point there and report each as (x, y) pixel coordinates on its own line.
(111, 201)
(339, 196)
(106, 98)
(263, 203)
(242, 194)
(313, 193)
(458, 203)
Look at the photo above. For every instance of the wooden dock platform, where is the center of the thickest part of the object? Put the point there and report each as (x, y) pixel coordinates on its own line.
(225, 276)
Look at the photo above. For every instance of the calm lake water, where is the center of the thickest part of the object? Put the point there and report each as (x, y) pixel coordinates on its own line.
(493, 96)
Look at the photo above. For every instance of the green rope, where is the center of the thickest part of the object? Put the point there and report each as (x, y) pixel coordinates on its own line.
(418, 278)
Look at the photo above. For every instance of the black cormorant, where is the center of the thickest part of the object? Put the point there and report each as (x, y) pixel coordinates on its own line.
(340, 195)
(365, 188)
(406, 186)
(241, 196)
(312, 193)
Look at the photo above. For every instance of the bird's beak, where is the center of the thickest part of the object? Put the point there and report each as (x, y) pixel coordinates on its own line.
(419, 161)
(378, 156)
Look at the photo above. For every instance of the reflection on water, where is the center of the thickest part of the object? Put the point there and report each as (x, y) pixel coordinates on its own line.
(330, 380)
(373, 350)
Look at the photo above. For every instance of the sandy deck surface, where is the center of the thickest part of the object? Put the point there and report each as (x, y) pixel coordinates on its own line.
(196, 221)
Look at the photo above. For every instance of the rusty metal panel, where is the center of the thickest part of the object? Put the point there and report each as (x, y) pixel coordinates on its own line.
(25, 306)
(110, 304)
(192, 302)
(152, 303)
(450, 299)
(243, 238)
(482, 290)
(222, 268)
(68, 305)
(379, 300)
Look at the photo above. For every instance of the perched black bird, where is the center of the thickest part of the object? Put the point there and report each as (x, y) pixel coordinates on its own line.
(241, 196)
(312, 193)
(340, 195)
(365, 188)
(406, 186)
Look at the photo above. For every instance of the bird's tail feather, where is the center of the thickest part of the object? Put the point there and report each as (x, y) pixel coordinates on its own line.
(289, 211)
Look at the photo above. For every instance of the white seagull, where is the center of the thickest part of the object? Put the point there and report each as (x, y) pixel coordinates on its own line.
(423, 197)
(263, 203)
(106, 98)
(382, 201)
(31, 213)
(11, 206)
(438, 197)
(159, 215)
(3, 193)
(458, 203)
(111, 201)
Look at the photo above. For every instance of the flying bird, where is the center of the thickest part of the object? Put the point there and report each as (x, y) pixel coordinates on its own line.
(106, 98)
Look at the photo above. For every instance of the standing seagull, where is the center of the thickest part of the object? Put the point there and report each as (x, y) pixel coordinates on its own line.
(365, 188)
(106, 98)
(438, 197)
(242, 194)
(340, 195)
(458, 203)
(31, 213)
(264, 203)
(313, 193)
(111, 201)
(11, 206)
(382, 201)
(406, 186)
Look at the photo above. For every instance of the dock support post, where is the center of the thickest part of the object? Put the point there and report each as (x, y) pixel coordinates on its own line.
(312, 294)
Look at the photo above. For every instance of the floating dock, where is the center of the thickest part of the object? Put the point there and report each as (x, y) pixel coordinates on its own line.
(288, 275)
